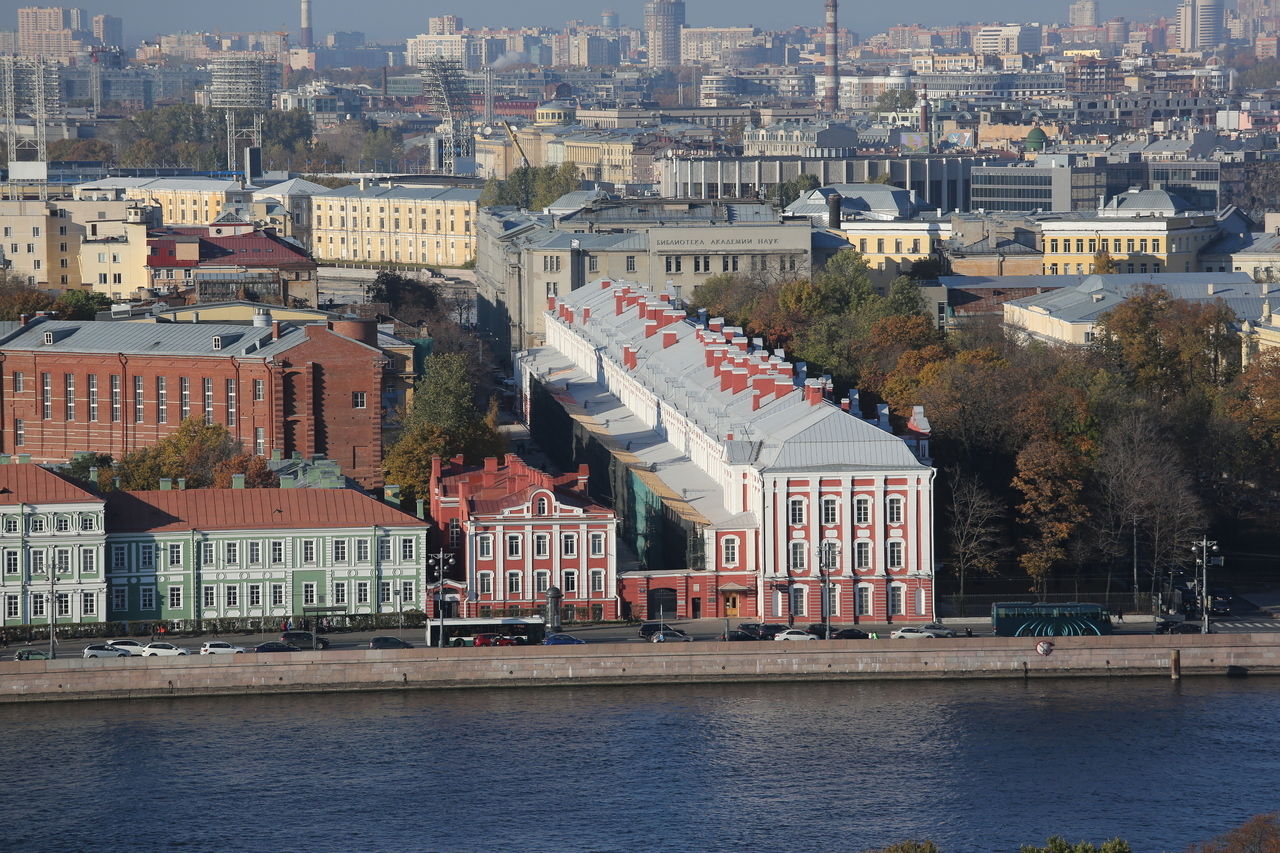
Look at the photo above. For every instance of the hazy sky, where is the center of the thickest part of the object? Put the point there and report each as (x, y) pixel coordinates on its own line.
(393, 20)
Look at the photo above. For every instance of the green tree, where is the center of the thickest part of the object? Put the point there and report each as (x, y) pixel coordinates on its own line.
(18, 298)
(193, 451)
(909, 847)
(80, 304)
(895, 100)
(1058, 844)
(82, 468)
(792, 188)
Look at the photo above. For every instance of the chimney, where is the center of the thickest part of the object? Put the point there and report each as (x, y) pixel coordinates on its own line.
(668, 338)
(831, 81)
(844, 403)
(304, 36)
(166, 484)
(715, 324)
(586, 315)
(275, 330)
(182, 484)
(812, 392)
(1212, 289)
(583, 474)
(882, 417)
(834, 203)
(237, 481)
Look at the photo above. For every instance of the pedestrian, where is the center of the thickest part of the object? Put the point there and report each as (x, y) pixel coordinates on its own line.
(1119, 614)
(284, 626)
(968, 632)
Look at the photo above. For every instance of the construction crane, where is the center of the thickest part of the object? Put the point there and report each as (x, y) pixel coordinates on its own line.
(524, 161)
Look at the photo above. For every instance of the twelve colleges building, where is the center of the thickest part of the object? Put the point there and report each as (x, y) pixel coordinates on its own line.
(740, 487)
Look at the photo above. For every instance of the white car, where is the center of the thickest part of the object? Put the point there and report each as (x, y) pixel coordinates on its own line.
(793, 634)
(154, 649)
(133, 647)
(218, 647)
(104, 650)
(931, 631)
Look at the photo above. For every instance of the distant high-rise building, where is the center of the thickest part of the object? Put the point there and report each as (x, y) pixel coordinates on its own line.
(1117, 31)
(609, 19)
(1014, 38)
(1202, 24)
(1083, 13)
(108, 30)
(444, 25)
(663, 20)
(54, 32)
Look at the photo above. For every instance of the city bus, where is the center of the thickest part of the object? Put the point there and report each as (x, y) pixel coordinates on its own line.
(1028, 619)
(530, 630)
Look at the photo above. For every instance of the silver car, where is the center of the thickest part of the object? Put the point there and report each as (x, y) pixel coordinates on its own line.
(220, 647)
(163, 649)
(104, 650)
(133, 647)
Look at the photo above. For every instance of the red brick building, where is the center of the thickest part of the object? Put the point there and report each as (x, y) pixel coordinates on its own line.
(517, 532)
(72, 386)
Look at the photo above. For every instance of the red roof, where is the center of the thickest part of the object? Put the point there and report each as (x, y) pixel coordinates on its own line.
(247, 250)
(31, 484)
(249, 509)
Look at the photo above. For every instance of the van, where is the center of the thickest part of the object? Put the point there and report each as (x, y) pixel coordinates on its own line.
(304, 640)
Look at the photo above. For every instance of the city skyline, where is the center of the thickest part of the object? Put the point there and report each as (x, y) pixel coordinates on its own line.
(389, 21)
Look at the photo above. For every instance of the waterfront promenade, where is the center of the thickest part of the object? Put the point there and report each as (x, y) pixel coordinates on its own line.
(639, 663)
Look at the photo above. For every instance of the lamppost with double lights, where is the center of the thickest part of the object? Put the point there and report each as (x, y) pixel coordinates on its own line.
(439, 562)
(826, 562)
(1204, 546)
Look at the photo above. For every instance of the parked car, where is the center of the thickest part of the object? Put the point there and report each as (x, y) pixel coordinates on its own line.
(274, 646)
(133, 647)
(760, 631)
(849, 634)
(1179, 628)
(822, 631)
(304, 639)
(389, 643)
(486, 639)
(670, 635)
(104, 650)
(220, 647)
(32, 654)
(151, 650)
(929, 631)
(563, 640)
(509, 640)
(738, 636)
(648, 629)
(793, 634)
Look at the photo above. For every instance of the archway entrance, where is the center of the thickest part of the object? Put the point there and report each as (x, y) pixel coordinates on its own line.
(662, 603)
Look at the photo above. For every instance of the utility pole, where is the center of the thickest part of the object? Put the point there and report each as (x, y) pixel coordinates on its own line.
(1205, 545)
(438, 562)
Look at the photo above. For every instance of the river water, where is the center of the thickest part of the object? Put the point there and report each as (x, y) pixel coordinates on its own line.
(975, 766)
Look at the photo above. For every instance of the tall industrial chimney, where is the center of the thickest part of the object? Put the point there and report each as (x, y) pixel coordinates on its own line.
(831, 95)
(305, 36)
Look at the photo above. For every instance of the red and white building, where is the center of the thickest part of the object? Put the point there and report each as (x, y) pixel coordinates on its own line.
(774, 488)
(518, 532)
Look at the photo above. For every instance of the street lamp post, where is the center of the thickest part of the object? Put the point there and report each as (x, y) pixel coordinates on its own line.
(826, 562)
(53, 610)
(1204, 546)
(439, 562)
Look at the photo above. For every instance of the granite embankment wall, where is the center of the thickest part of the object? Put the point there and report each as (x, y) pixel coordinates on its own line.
(635, 663)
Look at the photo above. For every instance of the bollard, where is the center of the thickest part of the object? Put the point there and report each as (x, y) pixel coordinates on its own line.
(1175, 664)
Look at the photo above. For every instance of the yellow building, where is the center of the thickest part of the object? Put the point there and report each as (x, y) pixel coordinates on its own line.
(182, 201)
(68, 244)
(1147, 231)
(394, 224)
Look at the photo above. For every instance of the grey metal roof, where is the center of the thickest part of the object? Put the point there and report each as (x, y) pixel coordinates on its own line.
(1098, 294)
(175, 339)
(294, 186)
(789, 433)
(878, 201)
(1007, 282)
(403, 193)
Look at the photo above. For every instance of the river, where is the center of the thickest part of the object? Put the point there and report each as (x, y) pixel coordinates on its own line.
(973, 765)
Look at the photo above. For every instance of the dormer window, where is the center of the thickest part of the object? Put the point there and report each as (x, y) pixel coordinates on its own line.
(48, 338)
(542, 506)
(217, 341)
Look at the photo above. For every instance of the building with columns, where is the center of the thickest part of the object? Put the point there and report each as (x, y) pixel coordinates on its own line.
(742, 490)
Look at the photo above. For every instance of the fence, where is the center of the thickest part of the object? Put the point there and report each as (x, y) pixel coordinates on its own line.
(973, 606)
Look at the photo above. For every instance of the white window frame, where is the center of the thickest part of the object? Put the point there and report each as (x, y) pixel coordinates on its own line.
(797, 555)
(862, 511)
(830, 510)
(796, 512)
(894, 509)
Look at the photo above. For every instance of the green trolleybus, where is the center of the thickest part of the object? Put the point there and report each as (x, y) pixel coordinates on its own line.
(1028, 619)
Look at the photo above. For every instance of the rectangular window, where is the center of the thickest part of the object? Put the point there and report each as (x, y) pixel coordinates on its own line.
(19, 432)
(862, 555)
(568, 545)
(148, 598)
(210, 596)
(541, 545)
(357, 399)
(260, 441)
(118, 556)
(184, 397)
(88, 561)
(10, 562)
(309, 593)
(208, 400)
(62, 559)
(673, 263)
(896, 552)
(597, 581)
(339, 550)
(175, 598)
(93, 396)
(259, 390)
(46, 396)
(384, 550)
(729, 551)
(384, 592)
(484, 548)
(513, 583)
(37, 562)
(119, 598)
(206, 554)
(277, 594)
(830, 511)
(255, 595)
(486, 583)
(895, 510)
(11, 607)
(17, 383)
(232, 594)
(339, 592)
(38, 605)
(541, 581)
(597, 544)
(255, 553)
(362, 550)
(175, 553)
(277, 552)
(138, 401)
(406, 593)
(147, 555)
(362, 592)
(795, 511)
(863, 603)
(231, 402)
(631, 263)
(308, 550)
(232, 553)
(162, 412)
(408, 548)
(115, 398)
(895, 600)
(64, 604)
(69, 396)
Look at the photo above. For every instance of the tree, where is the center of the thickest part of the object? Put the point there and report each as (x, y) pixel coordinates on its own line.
(257, 472)
(976, 519)
(791, 189)
(1260, 834)
(408, 299)
(80, 304)
(531, 187)
(1058, 844)
(192, 451)
(895, 100)
(83, 466)
(1103, 263)
(1049, 477)
(909, 847)
(18, 298)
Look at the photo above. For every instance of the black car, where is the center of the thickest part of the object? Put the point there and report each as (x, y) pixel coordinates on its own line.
(648, 629)
(849, 634)
(275, 647)
(737, 636)
(389, 643)
(1178, 628)
(304, 640)
(761, 632)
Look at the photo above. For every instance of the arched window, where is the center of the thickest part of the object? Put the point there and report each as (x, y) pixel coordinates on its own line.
(795, 556)
(542, 506)
(795, 511)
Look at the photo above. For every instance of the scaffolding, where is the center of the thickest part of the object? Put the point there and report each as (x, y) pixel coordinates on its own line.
(448, 97)
(242, 84)
(30, 87)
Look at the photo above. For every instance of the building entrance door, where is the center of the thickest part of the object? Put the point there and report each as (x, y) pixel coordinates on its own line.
(730, 604)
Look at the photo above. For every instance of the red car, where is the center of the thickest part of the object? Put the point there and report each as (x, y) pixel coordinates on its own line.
(509, 641)
(487, 640)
